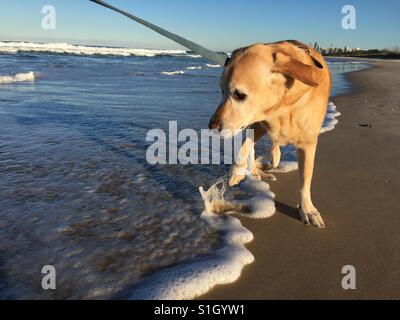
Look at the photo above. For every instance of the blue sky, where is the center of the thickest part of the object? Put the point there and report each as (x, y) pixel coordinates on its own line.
(217, 24)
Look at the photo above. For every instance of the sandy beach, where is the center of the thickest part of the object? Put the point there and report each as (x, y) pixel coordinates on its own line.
(356, 187)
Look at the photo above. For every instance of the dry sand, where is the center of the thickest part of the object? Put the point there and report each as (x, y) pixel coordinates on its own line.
(356, 187)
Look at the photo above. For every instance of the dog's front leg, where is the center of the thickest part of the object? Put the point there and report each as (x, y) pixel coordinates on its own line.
(306, 156)
(245, 161)
(242, 164)
(275, 154)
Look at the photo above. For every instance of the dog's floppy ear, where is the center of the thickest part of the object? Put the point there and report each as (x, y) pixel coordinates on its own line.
(295, 69)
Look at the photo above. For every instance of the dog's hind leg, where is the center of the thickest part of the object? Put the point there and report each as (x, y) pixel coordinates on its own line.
(308, 213)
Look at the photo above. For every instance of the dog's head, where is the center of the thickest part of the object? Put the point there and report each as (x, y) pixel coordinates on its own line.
(254, 81)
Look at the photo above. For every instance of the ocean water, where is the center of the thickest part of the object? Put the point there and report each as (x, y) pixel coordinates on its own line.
(76, 191)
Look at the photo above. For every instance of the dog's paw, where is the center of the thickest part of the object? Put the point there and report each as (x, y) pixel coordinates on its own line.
(311, 217)
(237, 174)
(259, 171)
(235, 179)
(265, 176)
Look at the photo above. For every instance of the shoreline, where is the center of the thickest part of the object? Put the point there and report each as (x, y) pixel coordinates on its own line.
(380, 58)
(354, 187)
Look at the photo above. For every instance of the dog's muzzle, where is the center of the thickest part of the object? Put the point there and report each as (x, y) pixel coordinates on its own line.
(214, 123)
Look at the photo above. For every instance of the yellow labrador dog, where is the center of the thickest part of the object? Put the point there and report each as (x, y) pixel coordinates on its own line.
(280, 89)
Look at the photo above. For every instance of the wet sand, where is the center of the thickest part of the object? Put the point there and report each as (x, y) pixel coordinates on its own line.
(356, 187)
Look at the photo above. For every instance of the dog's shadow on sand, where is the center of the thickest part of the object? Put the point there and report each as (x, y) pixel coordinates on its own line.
(287, 210)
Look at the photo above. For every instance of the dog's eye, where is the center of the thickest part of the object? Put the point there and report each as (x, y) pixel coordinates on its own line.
(239, 96)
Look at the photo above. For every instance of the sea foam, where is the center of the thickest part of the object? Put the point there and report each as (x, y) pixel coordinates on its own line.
(179, 72)
(194, 67)
(213, 65)
(173, 73)
(18, 77)
(331, 118)
(225, 265)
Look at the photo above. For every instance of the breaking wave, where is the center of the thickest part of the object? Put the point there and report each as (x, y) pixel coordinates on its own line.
(194, 68)
(213, 65)
(65, 48)
(191, 68)
(172, 73)
(18, 77)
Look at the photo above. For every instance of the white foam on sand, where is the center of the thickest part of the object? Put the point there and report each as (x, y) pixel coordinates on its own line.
(251, 198)
(18, 77)
(285, 166)
(331, 118)
(225, 265)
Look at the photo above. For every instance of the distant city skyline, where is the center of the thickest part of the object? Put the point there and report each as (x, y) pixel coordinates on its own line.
(219, 25)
